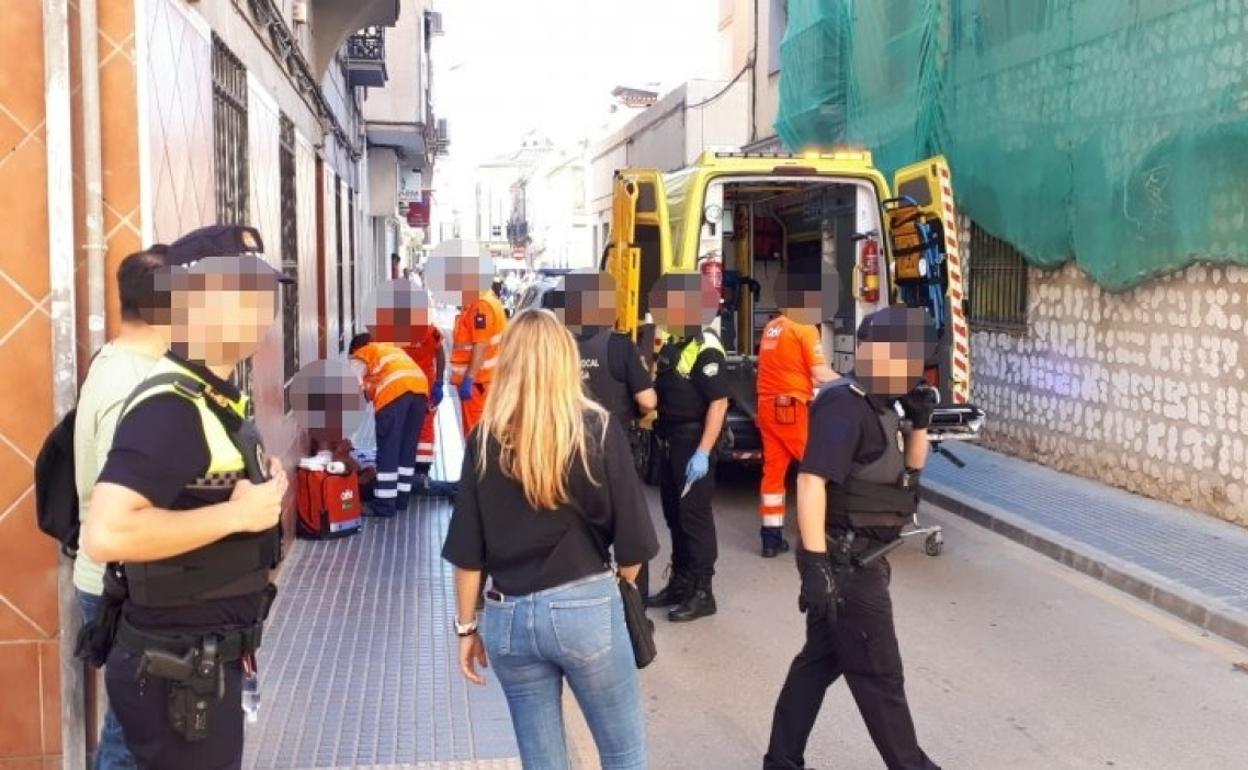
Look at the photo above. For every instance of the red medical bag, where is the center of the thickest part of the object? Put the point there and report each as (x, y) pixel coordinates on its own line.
(328, 504)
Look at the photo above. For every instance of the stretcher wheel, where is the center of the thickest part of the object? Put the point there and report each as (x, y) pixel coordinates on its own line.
(934, 544)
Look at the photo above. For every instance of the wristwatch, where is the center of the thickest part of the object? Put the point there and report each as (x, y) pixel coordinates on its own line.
(465, 629)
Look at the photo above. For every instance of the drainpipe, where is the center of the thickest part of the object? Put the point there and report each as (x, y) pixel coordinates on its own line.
(64, 353)
(92, 170)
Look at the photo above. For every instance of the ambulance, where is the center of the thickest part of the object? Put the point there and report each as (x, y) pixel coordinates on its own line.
(739, 218)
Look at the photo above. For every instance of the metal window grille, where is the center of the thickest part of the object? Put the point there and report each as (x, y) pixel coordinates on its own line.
(342, 316)
(290, 255)
(229, 126)
(230, 151)
(998, 284)
(351, 250)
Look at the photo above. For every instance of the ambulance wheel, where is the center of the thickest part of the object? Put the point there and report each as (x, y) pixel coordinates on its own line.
(934, 544)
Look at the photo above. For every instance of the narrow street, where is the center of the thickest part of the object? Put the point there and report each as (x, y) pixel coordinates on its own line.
(1011, 659)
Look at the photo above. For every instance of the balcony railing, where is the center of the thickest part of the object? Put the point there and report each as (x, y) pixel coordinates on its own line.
(366, 58)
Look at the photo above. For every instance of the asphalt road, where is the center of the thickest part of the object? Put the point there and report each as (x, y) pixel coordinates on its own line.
(1012, 661)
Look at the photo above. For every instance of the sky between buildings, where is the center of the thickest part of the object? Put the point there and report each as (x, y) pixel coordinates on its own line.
(506, 67)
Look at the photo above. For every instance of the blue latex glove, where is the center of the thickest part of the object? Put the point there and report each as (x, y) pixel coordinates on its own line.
(435, 396)
(698, 466)
(465, 389)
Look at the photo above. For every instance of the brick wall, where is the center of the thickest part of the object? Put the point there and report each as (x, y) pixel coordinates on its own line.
(1145, 390)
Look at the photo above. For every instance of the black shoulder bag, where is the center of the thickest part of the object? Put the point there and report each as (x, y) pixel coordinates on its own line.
(640, 627)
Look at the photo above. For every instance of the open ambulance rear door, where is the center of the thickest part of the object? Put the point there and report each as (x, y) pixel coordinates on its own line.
(640, 248)
(927, 268)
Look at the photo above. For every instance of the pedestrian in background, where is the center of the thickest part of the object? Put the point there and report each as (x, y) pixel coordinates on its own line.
(547, 476)
(116, 370)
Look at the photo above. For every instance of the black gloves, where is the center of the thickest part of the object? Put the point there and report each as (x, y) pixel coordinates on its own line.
(818, 595)
(919, 404)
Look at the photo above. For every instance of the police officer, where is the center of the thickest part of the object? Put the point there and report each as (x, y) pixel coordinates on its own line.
(693, 402)
(611, 365)
(189, 505)
(858, 486)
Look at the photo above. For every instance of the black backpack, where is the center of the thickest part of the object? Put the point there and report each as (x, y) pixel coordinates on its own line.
(56, 490)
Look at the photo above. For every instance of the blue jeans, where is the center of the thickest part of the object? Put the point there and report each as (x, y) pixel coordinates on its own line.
(576, 631)
(111, 752)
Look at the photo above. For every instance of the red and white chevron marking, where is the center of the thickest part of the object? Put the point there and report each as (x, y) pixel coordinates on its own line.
(961, 379)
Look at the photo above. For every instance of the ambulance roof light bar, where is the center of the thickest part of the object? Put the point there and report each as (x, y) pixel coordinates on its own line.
(845, 153)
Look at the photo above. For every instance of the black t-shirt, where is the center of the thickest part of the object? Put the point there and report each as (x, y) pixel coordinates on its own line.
(159, 448)
(684, 400)
(494, 529)
(844, 430)
(625, 364)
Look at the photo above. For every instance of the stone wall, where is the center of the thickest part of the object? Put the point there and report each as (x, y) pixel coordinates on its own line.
(1145, 390)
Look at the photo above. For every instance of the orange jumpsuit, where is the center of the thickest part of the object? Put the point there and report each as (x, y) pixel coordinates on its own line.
(481, 322)
(788, 352)
(425, 354)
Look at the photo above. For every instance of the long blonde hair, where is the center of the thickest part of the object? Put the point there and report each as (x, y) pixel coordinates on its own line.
(536, 409)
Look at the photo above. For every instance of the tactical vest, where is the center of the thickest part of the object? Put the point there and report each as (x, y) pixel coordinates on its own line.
(881, 493)
(237, 565)
(673, 382)
(596, 373)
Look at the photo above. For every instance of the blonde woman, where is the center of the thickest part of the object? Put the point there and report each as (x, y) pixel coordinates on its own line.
(548, 476)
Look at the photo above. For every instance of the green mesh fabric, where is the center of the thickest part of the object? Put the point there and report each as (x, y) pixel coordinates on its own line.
(1111, 132)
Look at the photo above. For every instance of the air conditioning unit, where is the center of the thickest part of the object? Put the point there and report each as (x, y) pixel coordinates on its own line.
(433, 23)
(299, 11)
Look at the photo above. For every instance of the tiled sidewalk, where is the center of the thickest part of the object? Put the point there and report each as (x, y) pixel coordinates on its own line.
(359, 663)
(1186, 563)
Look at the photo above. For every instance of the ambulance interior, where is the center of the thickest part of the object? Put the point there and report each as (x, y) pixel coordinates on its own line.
(773, 224)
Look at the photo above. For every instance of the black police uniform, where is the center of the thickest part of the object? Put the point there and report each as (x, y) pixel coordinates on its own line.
(174, 673)
(613, 374)
(690, 375)
(612, 371)
(856, 445)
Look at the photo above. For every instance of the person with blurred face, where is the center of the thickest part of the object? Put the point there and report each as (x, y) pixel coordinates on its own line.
(790, 366)
(115, 371)
(476, 337)
(399, 392)
(693, 403)
(187, 509)
(547, 489)
(611, 365)
(857, 488)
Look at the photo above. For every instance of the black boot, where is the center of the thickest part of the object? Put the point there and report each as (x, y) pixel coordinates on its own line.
(698, 604)
(679, 585)
(774, 543)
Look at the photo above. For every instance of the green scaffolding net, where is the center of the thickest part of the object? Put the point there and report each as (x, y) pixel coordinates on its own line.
(1110, 132)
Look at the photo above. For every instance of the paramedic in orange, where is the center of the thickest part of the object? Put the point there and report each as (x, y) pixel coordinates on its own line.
(429, 353)
(400, 394)
(790, 366)
(474, 354)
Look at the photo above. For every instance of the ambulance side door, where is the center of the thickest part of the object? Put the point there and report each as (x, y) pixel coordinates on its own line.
(928, 186)
(639, 245)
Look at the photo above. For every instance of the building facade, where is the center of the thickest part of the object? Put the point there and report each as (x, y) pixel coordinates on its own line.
(1142, 388)
(187, 114)
(668, 135)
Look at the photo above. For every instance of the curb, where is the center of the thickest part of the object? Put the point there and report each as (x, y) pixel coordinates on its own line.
(1181, 601)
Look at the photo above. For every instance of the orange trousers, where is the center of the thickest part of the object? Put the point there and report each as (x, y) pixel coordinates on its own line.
(472, 409)
(784, 442)
(428, 434)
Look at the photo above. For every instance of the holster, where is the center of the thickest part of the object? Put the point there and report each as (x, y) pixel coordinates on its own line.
(196, 680)
(95, 639)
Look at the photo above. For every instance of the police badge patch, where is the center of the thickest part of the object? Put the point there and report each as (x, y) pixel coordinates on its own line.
(711, 369)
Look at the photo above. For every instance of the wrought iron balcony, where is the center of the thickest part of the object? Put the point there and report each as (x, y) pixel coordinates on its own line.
(366, 58)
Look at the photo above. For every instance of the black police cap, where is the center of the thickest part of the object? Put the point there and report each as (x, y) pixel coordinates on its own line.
(220, 241)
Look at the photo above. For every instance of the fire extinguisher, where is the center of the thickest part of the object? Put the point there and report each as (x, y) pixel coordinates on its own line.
(870, 288)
